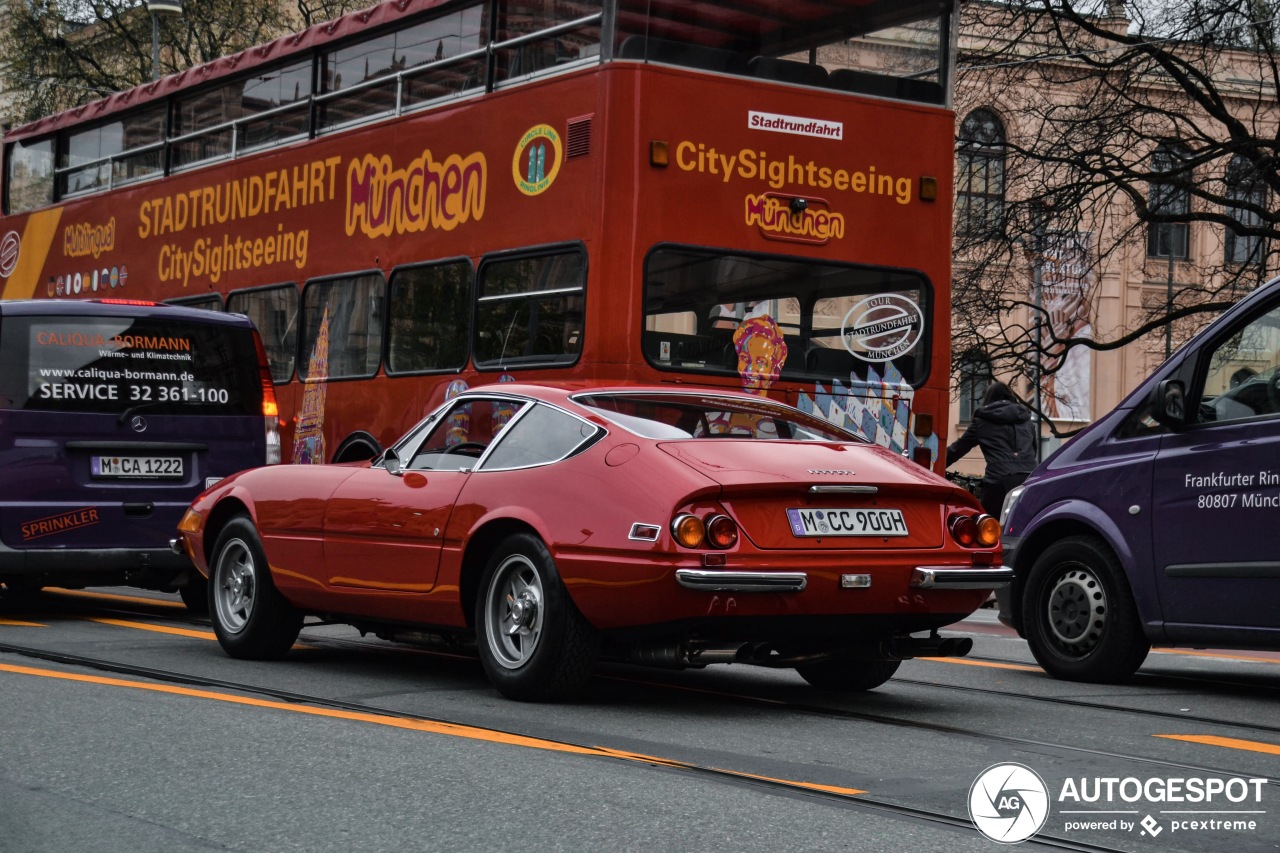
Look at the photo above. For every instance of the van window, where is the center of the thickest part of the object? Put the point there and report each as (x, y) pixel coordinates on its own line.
(1243, 371)
(116, 364)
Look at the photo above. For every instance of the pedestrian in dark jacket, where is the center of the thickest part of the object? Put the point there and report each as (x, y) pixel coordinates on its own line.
(1003, 430)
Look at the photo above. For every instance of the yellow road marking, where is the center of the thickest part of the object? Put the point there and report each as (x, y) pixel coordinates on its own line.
(986, 663)
(19, 623)
(433, 727)
(159, 629)
(1227, 742)
(109, 596)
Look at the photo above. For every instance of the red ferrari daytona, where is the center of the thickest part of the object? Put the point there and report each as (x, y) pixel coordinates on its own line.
(558, 525)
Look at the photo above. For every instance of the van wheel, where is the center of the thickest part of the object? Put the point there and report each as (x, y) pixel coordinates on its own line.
(534, 644)
(848, 676)
(195, 594)
(1079, 616)
(251, 618)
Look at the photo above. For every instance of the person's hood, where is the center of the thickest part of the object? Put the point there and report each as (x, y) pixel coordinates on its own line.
(1004, 412)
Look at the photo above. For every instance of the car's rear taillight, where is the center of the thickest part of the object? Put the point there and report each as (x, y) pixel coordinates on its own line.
(714, 531)
(270, 409)
(974, 531)
(722, 531)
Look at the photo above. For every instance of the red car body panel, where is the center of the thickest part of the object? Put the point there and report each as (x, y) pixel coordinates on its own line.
(358, 541)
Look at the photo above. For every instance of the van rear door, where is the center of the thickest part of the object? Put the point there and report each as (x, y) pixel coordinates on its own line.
(112, 421)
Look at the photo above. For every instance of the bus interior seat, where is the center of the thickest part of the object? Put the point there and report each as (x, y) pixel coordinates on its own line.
(788, 71)
(682, 53)
(827, 361)
(885, 86)
(852, 80)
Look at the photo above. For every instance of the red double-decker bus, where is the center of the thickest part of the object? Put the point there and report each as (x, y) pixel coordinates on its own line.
(430, 195)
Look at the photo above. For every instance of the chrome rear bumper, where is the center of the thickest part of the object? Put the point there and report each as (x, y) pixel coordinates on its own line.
(951, 577)
(711, 581)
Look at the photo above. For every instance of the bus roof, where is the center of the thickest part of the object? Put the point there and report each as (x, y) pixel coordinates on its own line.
(713, 23)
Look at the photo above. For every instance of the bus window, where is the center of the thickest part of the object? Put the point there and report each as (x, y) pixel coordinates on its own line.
(348, 71)
(561, 47)
(274, 311)
(342, 327)
(29, 181)
(114, 153)
(824, 45)
(430, 311)
(205, 301)
(827, 321)
(216, 122)
(529, 310)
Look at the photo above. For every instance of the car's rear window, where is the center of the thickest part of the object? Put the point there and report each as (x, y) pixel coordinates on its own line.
(676, 416)
(118, 364)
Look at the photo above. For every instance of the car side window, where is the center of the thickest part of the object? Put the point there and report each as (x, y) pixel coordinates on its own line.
(1243, 372)
(543, 435)
(463, 434)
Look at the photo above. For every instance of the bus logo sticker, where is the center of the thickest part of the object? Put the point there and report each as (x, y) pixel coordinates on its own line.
(882, 327)
(10, 248)
(537, 160)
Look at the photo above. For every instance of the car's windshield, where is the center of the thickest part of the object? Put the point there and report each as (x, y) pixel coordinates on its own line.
(679, 416)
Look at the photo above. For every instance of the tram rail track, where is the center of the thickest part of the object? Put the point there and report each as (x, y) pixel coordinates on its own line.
(164, 613)
(860, 802)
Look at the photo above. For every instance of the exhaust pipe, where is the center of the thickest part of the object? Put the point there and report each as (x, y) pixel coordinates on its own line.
(681, 655)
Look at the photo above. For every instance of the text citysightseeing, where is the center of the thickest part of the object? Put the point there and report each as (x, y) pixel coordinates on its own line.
(750, 165)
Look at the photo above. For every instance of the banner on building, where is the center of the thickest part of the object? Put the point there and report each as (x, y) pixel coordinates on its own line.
(1067, 297)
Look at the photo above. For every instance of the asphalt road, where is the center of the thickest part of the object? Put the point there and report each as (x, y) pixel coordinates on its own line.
(124, 727)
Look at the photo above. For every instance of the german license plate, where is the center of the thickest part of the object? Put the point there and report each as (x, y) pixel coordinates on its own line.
(136, 466)
(847, 522)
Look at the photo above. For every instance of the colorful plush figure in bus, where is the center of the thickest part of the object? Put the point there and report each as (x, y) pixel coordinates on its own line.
(460, 419)
(761, 353)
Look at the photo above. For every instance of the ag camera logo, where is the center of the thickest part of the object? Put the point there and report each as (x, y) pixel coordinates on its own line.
(1008, 803)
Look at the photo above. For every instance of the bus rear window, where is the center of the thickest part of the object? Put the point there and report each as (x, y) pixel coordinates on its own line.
(766, 318)
(118, 364)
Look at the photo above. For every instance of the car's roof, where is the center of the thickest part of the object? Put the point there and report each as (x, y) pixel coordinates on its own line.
(116, 308)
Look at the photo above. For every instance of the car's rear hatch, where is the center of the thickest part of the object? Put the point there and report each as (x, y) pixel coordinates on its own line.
(821, 496)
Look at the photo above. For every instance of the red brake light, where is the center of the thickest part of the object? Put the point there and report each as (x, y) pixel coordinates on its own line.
(722, 531)
(128, 302)
(964, 530)
(269, 407)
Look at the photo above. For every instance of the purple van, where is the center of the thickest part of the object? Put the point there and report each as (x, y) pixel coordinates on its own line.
(113, 417)
(1157, 524)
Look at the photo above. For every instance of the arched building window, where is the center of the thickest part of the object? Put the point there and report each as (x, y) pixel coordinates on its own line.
(980, 162)
(1170, 195)
(1246, 195)
(975, 376)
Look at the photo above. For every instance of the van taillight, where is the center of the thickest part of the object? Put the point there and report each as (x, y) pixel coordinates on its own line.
(270, 410)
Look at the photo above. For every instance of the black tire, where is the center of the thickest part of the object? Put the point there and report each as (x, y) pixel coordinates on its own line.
(195, 594)
(535, 646)
(1078, 613)
(848, 675)
(250, 617)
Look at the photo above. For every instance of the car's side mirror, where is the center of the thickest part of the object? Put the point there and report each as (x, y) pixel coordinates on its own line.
(391, 461)
(1169, 403)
